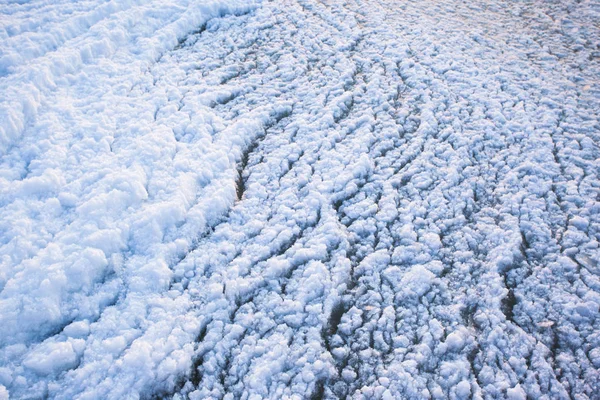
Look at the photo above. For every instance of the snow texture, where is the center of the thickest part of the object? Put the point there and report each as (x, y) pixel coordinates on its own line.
(300, 199)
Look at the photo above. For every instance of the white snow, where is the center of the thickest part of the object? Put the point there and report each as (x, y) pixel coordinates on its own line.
(299, 199)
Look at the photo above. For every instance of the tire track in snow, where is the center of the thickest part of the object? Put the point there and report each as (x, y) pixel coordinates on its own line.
(444, 125)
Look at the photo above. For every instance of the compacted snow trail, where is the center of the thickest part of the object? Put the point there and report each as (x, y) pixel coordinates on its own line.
(310, 199)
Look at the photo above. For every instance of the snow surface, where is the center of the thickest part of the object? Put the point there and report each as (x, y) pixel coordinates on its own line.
(300, 199)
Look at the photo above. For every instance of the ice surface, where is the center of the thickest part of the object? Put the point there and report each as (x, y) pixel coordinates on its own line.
(299, 199)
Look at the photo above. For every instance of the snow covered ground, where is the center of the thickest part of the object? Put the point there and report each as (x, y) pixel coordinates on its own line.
(300, 199)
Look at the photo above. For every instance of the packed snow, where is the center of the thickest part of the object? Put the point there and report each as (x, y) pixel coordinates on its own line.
(300, 199)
